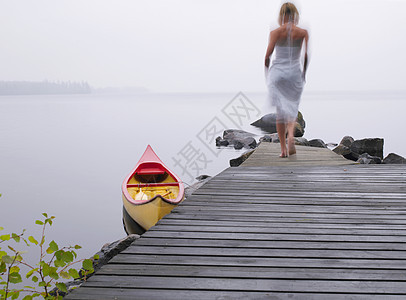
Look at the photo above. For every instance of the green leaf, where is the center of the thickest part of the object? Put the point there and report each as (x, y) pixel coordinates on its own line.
(2, 253)
(53, 246)
(7, 259)
(28, 297)
(65, 275)
(33, 240)
(19, 257)
(15, 295)
(96, 256)
(15, 277)
(14, 269)
(62, 287)
(5, 237)
(49, 250)
(29, 274)
(53, 274)
(74, 273)
(3, 267)
(77, 247)
(59, 263)
(34, 278)
(1, 228)
(45, 215)
(11, 248)
(87, 264)
(38, 222)
(46, 269)
(67, 257)
(42, 283)
(58, 254)
(16, 237)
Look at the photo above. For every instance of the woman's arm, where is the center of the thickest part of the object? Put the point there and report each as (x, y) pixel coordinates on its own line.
(271, 46)
(306, 41)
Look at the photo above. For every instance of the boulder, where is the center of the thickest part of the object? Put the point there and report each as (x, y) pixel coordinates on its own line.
(393, 158)
(221, 142)
(317, 143)
(347, 141)
(367, 159)
(301, 141)
(238, 145)
(268, 124)
(372, 146)
(237, 138)
(266, 138)
(239, 160)
(346, 152)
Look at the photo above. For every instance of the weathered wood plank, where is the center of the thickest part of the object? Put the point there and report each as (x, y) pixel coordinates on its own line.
(249, 252)
(265, 244)
(281, 230)
(197, 260)
(252, 272)
(268, 285)
(177, 294)
(276, 237)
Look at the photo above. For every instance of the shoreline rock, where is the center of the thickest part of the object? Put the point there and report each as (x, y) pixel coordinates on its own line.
(267, 123)
(237, 138)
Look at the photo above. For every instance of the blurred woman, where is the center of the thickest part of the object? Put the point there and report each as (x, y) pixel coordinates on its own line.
(286, 77)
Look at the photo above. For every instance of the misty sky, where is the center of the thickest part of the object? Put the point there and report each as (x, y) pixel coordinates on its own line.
(199, 45)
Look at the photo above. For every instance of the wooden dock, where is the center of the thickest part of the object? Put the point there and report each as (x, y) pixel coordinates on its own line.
(289, 231)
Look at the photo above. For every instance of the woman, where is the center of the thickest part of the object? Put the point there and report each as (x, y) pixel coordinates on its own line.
(285, 78)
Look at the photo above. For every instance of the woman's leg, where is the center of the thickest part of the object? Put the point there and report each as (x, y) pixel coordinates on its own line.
(281, 129)
(291, 138)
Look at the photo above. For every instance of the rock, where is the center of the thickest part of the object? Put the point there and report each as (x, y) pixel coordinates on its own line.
(393, 158)
(238, 138)
(266, 138)
(232, 134)
(372, 146)
(250, 142)
(221, 142)
(202, 177)
(347, 141)
(239, 160)
(238, 145)
(367, 159)
(317, 143)
(346, 152)
(268, 124)
(301, 141)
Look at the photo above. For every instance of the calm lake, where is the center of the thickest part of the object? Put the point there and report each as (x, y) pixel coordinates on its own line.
(67, 155)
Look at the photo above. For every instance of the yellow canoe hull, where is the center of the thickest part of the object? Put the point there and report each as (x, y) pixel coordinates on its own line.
(148, 214)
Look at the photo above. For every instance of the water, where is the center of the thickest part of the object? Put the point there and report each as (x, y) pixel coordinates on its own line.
(68, 154)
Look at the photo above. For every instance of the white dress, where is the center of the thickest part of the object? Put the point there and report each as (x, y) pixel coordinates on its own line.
(284, 79)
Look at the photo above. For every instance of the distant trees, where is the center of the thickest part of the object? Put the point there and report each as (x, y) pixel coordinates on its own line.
(43, 87)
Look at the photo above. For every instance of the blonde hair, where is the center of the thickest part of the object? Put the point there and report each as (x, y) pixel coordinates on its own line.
(288, 9)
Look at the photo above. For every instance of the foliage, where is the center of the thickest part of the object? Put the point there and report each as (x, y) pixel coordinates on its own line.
(55, 264)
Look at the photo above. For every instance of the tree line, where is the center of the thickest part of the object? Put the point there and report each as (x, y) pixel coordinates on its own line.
(43, 87)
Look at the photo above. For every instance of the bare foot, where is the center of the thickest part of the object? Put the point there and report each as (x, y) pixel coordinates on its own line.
(291, 147)
(283, 155)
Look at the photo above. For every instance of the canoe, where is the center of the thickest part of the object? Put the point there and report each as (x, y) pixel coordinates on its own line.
(150, 191)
